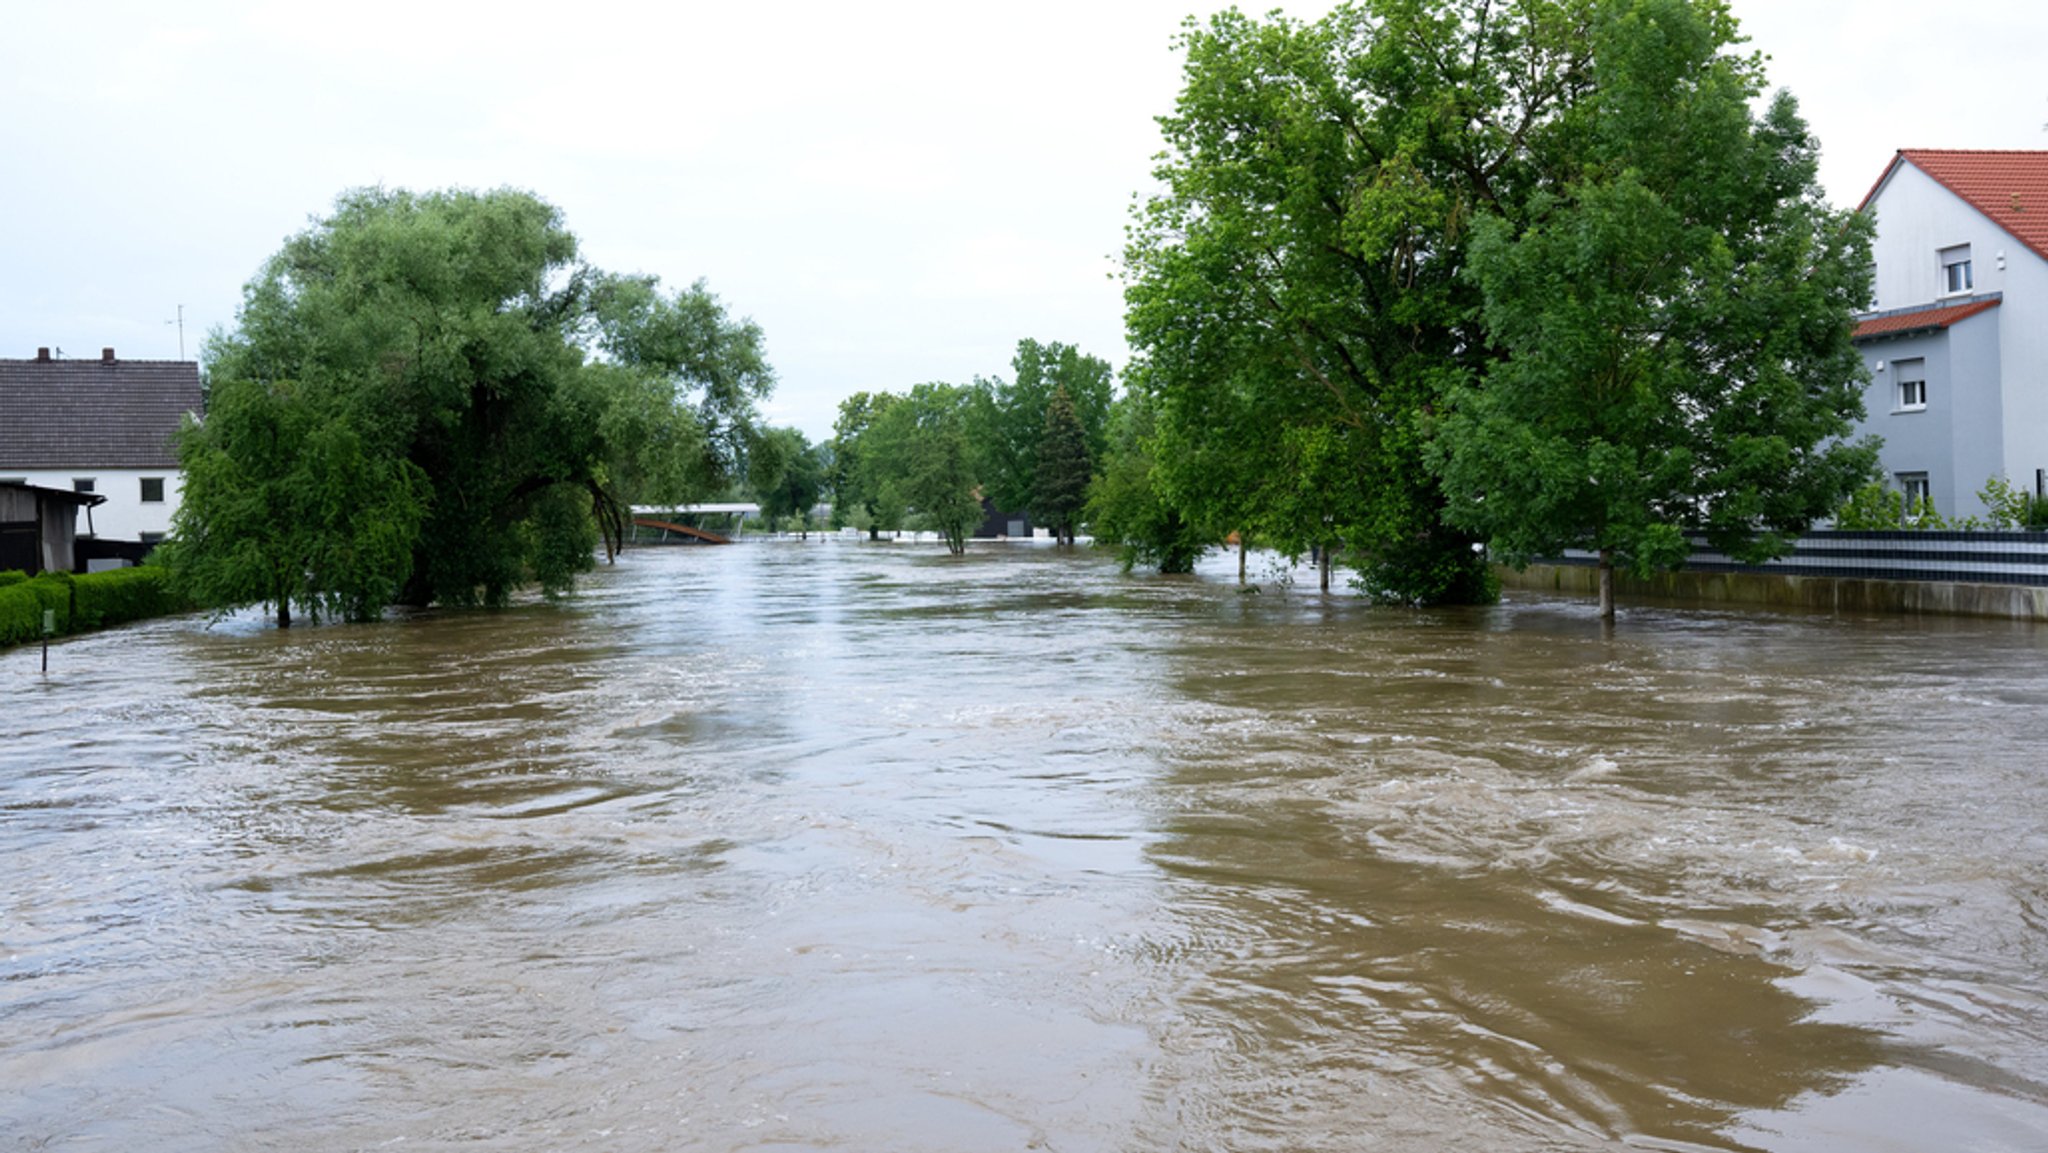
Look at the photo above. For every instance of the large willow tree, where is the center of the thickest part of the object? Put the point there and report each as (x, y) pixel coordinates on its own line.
(430, 398)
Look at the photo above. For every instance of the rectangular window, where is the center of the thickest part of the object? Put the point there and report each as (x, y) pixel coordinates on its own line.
(81, 484)
(1912, 379)
(152, 490)
(1919, 498)
(1955, 270)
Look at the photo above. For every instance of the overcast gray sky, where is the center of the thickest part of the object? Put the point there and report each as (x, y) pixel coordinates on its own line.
(896, 192)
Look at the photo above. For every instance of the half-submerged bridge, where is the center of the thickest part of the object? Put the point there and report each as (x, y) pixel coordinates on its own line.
(669, 518)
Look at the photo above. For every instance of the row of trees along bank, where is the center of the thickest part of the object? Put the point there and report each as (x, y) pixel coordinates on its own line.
(1423, 278)
(926, 458)
(1429, 277)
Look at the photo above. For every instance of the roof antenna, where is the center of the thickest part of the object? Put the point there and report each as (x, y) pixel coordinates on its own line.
(180, 322)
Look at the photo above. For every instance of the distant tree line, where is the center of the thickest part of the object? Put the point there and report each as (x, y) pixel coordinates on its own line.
(928, 458)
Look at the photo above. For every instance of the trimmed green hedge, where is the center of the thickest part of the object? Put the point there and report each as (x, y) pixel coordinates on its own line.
(13, 576)
(94, 601)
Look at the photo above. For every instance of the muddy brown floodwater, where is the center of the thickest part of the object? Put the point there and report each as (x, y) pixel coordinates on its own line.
(859, 847)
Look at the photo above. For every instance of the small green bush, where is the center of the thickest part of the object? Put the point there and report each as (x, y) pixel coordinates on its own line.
(13, 576)
(1876, 507)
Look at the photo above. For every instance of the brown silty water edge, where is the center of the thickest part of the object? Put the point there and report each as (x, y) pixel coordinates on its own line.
(850, 846)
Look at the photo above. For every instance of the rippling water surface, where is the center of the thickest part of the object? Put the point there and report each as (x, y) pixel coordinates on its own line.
(853, 847)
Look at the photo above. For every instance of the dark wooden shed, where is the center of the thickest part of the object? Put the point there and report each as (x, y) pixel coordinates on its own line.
(39, 527)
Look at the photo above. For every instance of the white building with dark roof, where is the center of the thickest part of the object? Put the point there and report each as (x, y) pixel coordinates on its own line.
(104, 427)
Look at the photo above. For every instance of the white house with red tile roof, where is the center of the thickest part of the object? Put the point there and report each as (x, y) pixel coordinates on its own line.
(103, 427)
(1958, 344)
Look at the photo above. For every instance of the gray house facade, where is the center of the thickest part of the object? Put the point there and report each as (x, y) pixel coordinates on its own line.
(1958, 347)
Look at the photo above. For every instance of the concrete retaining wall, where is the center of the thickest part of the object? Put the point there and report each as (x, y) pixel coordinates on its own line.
(1775, 590)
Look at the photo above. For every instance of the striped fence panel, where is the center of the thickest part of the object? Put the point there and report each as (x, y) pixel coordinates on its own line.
(2014, 558)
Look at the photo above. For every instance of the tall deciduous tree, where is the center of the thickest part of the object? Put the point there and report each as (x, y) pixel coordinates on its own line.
(1295, 291)
(1675, 317)
(857, 498)
(915, 456)
(503, 400)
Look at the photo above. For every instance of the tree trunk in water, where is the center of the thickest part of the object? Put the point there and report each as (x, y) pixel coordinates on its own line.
(1607, 586)
(1323, 567)
(1242, 544)
(284, 612)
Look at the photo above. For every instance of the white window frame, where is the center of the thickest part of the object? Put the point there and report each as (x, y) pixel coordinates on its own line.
(1916, 489)
(1909, 385)
(1958, 275)
(88, 485)
(142, 489)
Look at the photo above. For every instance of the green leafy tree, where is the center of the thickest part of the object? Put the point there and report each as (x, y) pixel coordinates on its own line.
(857, 498)
(786, 475)
(1060, 487)
(283, 507)
(1126, 508)
(1006, 419)
(915, 456)
(1295, 295)
(1675, 317)
(452, 345)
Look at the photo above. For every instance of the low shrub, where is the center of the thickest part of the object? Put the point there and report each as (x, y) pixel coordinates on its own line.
(23, 603)
(118, 596)
(94, 601)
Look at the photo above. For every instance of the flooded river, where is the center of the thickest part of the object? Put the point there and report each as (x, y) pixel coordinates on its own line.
(860, 847)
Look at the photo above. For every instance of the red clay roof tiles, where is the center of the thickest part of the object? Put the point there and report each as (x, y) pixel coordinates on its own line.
(2008, 187)
(1919, 319)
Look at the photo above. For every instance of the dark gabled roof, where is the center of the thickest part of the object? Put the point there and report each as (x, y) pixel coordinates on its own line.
(94, 413)
(2008, 187)
(1920, 319)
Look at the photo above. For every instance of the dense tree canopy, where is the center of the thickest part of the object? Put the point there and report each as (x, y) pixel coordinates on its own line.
(786, 474)
(1126, 508)
(1007, 418)
(472, 408)
(1295, 292)
(1426, 274)
(917, 460)
(1675, 319)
